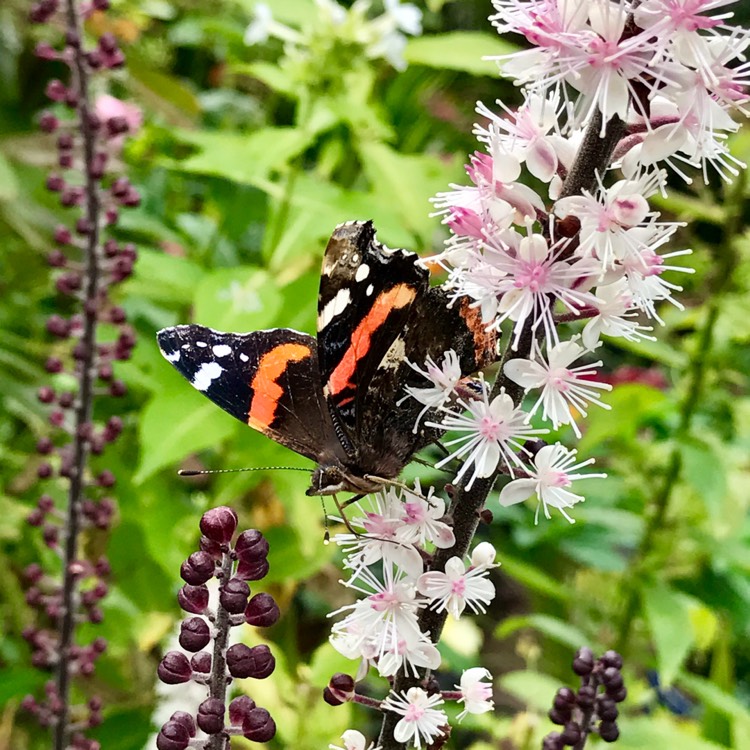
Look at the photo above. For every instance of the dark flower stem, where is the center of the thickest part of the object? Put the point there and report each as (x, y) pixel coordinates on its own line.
(85, 399)
(593, 158)
(218, 681)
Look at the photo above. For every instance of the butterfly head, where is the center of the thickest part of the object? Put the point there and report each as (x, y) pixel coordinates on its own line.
(331, 479)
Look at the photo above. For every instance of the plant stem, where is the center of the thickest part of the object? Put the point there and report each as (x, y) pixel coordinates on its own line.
(217, 685)
(592, 159)
(85, 399)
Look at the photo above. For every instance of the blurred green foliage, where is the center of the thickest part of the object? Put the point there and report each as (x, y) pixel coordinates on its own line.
(248, 159)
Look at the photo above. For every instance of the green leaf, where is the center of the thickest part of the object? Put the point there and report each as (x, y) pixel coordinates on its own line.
(164, 93)
(8, 181)
(247, 159)
(535, 689)
(554, 628)
(458, 50)
(272, 75)
(705, 470)
(408, 183)
(237, 299)
(533, 578)
(177, 422)
(177, 277)
(663, 732)
(668, 616)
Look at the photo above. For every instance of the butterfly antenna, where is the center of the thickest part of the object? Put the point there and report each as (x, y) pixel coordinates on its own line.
(327, 534)
(196, 473)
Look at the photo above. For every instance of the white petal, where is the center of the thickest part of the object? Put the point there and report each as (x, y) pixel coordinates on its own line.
(517, 491)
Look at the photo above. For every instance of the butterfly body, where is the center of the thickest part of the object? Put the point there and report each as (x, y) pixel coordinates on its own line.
(338, 398)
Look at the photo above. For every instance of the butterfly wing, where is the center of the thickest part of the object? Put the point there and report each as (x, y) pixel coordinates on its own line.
(269, 380)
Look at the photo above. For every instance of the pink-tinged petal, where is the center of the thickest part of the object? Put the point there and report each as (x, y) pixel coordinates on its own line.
(455, 568)
(564, 354)
(526, 373)
(444, 538)
(541, 160)
(517, 491)
(433, 584)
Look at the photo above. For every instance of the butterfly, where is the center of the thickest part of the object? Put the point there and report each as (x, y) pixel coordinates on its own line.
(338, 398)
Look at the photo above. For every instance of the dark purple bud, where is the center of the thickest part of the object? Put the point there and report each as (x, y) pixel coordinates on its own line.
(552, 742)
(53, 365)
(99, 645)
(48, 122)
(262, 611)
(45, 394)
(84, 226)
(111, 215)
(609, 731)
(63, 235)
(341, 687)
(186, 719)
(571, 735)
(132, 199)
(252, 571)
(120, 188)
(55, 183)
(45, 51)
(612, 659)
(606, 708)
(251, 546)
(565, 698)
(57, 418)
(72, 39)
(56, 90)
(98, 166)
(116, 59)
(95, 59)
(117, 389)
(243, 661)
(612, 679)
(239, 709)
(65, 159)
(44, 446)
(233, 595)
(172, 736)
(105, 478)
(174, 668)
(116, 125)
(71, 98)
(71, 196)
(219, 524)
(211, 716)
(65, 141)
(486, 516)
(66, 400)
(586, 696)
(198, 568)
(113, 428)
(560, 716)
(45, 503)
(194, 634)
(44, 470)
(100, 5)
(618, 696)
(35, 518)
(106, 372)
(57, 258)
(33, 573)
(201, 662)
(95, 615)
(108, 43)
(193, 599)
(259, 726)
(51, 535)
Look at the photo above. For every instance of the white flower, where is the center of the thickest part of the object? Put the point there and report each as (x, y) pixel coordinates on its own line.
(563, 387)
(410, 654)
(549, 481)
(264, 26)
(421, 520)
(615, 317)
(354, 740)
(443, 377)
(475, 694)
(457, 587)
(384, 538)
(406, 17)
(421, 720)
(492, 430)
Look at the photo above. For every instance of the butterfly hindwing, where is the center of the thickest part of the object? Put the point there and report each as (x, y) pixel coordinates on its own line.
(267, 379)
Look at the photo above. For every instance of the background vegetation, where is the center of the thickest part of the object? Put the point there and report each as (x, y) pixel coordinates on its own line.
(246, 161)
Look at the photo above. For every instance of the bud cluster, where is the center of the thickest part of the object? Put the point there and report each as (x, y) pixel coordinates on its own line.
(593, 708)
(205, 636)
(89, 334)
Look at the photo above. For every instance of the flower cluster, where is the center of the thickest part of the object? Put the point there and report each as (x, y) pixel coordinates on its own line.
(91, 334)
(622, 86)
(233, 566)
(389, 555)
(593, 707)
(341, 30)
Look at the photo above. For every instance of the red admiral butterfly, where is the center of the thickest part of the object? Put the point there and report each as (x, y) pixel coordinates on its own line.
(334, 399)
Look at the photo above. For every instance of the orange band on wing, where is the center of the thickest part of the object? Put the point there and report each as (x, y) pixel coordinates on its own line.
(397, 297)
(266, 391)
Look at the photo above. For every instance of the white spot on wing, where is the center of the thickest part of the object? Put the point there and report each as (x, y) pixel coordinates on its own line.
(244, 357)
(222, 350)
(185, 346)
(173, 357)
(370, 289)
(201, 344)
(362, 272)
(333, 308)
(208, 371)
